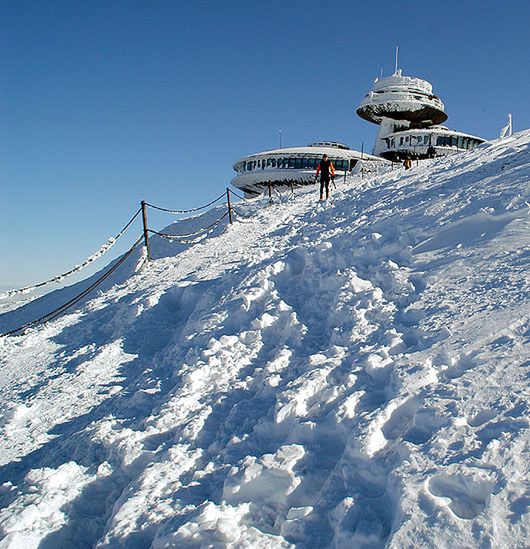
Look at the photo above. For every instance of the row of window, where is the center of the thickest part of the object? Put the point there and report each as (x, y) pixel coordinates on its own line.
(295, 163)
(458, 141)
(417, 140)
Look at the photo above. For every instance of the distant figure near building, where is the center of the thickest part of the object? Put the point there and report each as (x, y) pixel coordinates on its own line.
(326, 170)
(407, 163)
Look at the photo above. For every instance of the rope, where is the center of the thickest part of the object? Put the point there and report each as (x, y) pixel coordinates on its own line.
(102, 250)
(238, 195)
(241, 215)
(185, 238)
(60, 310)
(186, 211)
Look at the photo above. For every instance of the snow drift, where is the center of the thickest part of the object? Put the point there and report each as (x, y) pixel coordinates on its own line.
(349, 375)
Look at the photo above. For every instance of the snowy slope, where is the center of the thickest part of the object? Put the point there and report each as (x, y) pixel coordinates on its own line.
(349, 375)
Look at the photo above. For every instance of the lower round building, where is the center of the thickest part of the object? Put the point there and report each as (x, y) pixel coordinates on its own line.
(296, 166)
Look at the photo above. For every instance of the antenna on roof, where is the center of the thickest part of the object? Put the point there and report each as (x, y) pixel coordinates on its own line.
(397, 54)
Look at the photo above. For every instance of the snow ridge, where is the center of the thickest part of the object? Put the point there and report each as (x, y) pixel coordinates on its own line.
(344, 375)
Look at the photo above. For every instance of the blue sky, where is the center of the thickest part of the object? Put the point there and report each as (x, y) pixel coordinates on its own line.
(104, 103)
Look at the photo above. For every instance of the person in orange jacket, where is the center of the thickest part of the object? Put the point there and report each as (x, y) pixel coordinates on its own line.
(326, 170)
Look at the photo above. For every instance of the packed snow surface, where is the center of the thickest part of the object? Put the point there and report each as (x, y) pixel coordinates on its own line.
(346, 375)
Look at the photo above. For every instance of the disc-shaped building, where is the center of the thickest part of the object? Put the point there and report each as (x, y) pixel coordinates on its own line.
(409, 116)
(296, 166)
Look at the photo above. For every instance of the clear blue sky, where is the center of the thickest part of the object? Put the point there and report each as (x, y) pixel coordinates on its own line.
(104, 103)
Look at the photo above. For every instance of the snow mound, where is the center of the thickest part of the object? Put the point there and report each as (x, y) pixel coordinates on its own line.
(348, 374)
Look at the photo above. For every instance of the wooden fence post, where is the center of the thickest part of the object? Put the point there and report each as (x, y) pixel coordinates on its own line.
(229, 205)
(146, 232)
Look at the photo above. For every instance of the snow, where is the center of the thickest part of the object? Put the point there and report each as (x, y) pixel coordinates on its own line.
(353, 374)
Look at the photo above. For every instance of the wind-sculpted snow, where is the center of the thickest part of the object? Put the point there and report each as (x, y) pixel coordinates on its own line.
(348, 375)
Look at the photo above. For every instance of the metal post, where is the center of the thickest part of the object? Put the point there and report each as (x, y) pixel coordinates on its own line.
(229, 205)
(146, 233)
(270, 193)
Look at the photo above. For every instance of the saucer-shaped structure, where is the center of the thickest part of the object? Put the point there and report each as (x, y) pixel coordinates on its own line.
(402, 98)
(296, 166)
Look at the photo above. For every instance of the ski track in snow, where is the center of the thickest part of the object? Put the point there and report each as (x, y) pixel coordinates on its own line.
(351, 375)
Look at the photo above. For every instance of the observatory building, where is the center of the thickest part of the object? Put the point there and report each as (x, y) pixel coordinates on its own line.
(409, 116)
(296, 166)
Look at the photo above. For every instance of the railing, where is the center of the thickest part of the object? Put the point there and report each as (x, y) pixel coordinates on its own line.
(189, 238)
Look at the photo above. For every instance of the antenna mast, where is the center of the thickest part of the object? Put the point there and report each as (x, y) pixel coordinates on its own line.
(397, 54)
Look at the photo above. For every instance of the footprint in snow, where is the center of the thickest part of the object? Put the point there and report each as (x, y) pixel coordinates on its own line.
(467, 495)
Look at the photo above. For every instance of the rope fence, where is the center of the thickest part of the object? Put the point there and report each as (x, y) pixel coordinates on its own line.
(60, 310)
(201, 233)
(190, 238)
(178, 212)
(78, 268)
(239, 196)
(241, 215)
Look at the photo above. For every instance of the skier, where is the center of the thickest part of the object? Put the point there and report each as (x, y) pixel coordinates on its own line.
(407, 163)
(326, 169)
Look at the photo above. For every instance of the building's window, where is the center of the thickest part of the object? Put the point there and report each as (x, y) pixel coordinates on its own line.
(440, 140)
(273, 162)
(291, 162)
(297, 163)
(401, 141)
(353, 162)
(304, 163)
(460, 142)
(425, 139)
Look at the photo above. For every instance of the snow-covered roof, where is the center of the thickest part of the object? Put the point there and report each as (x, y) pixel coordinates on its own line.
(399, 82)
(309, 151)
